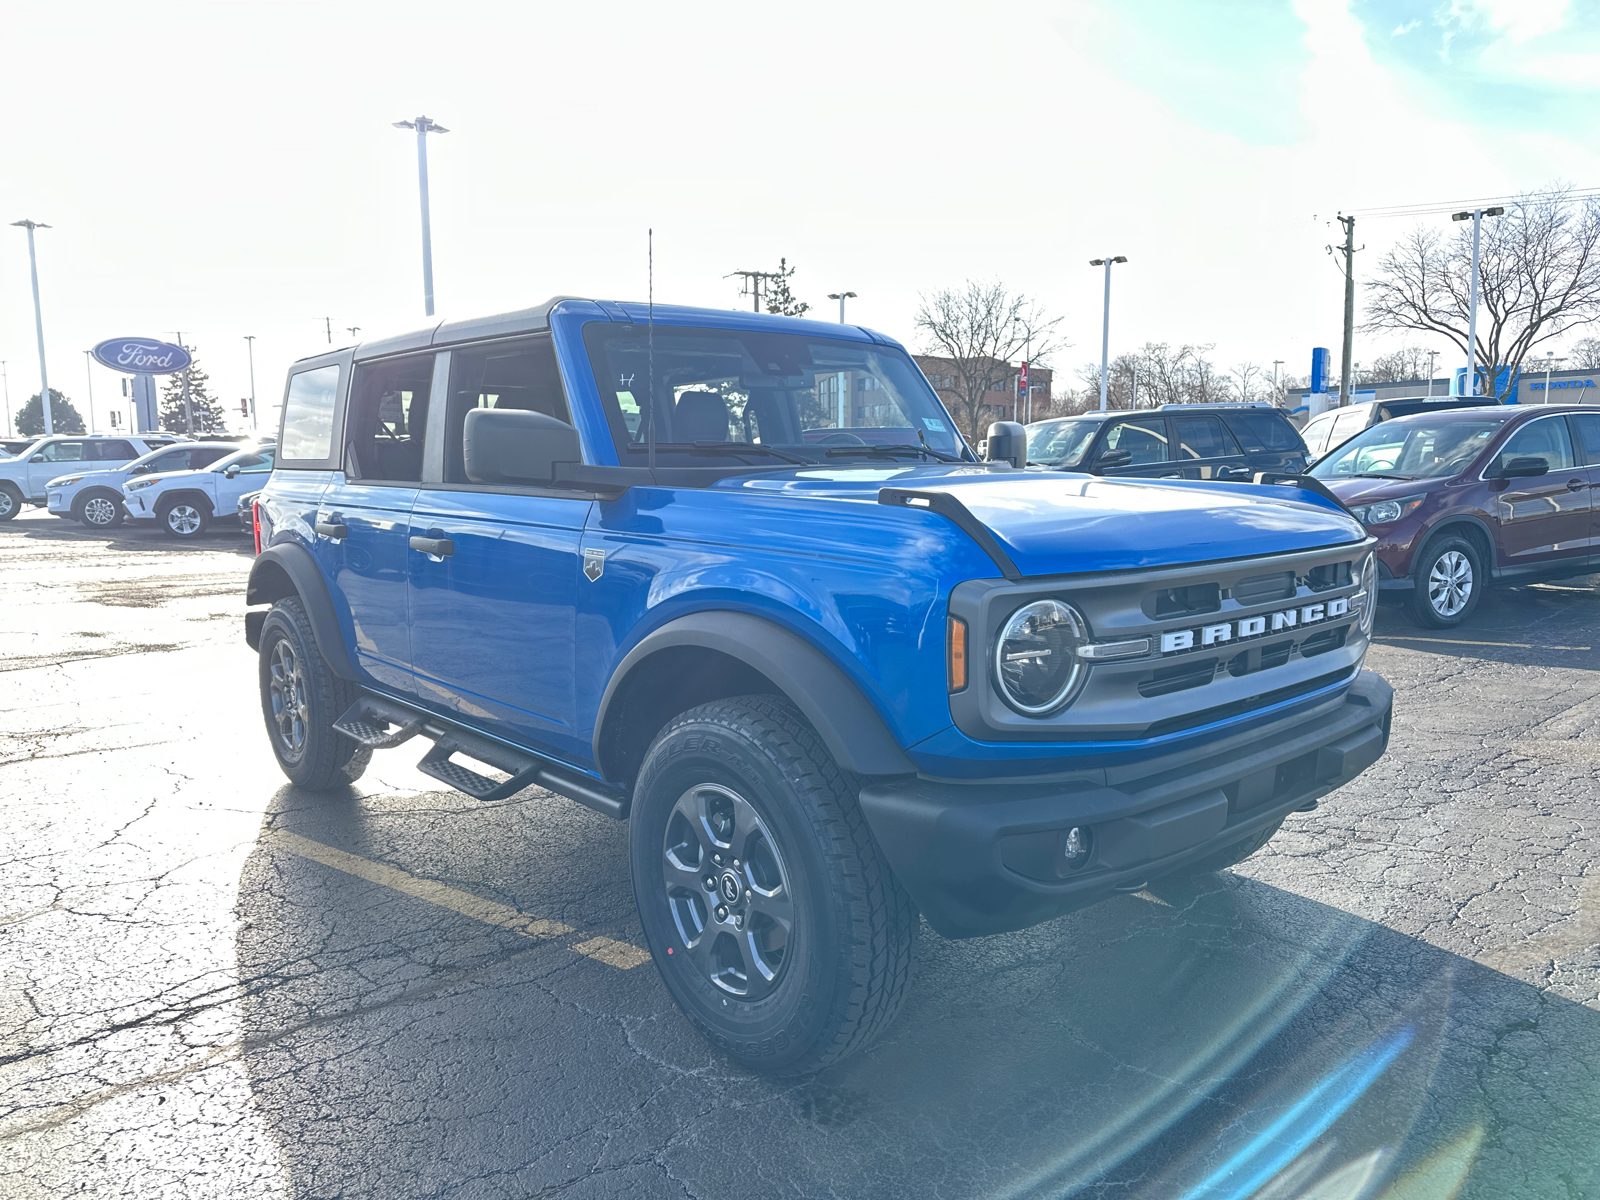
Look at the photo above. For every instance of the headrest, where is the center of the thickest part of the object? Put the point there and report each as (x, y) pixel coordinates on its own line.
(700, 417)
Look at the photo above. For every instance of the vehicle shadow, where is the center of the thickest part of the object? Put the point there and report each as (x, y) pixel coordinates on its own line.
(136, 536)
(1552, 624)
(1196, 1039)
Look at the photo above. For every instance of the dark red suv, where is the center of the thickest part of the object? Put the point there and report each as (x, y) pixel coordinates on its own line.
(1468, 497)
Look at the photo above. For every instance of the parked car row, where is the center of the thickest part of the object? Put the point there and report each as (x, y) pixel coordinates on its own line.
(180, 486)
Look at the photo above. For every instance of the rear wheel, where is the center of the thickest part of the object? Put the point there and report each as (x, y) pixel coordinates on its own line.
(10, 501)
(1448, 580)
(99, 510)
(301, 698)
(184, 519)
(774, 920)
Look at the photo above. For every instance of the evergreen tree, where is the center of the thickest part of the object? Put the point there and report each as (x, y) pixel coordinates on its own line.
(208, 415)
(65, 418)
(780, 299)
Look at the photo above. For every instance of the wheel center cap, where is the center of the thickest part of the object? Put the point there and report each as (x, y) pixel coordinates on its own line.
(728, 886)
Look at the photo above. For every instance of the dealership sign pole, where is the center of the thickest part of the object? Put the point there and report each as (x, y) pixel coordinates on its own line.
(144, 359)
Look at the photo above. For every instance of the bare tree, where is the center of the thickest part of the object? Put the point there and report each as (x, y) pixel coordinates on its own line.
(1398, 366)
(1539, 276)
(1584, 355)
(979, 329)
(1247, 381)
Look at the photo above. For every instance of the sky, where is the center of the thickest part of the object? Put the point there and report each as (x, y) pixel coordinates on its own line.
(232, 169)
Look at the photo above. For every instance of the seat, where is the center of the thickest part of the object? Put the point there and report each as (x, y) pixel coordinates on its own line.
(700, 417)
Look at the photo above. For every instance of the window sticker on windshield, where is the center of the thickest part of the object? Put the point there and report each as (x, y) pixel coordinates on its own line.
(934, 424)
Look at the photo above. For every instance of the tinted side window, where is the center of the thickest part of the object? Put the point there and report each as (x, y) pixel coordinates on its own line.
(308, 414)
(387, 417)
(114, 450)
(203, 457)
(1263, 431)
(1546, 439)
(172, 460)
(521, 375)
(1202, 436)
(1589, 434)
(64, 452)
(1144, 437)
(256, 464)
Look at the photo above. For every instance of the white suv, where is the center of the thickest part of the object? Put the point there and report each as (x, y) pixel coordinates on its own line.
(186, 502)
(95, 497)
(24, 479)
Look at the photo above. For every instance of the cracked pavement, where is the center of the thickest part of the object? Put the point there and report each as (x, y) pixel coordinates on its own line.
(212, 985)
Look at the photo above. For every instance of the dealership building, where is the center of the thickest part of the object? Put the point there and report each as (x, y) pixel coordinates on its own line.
(1565, 387)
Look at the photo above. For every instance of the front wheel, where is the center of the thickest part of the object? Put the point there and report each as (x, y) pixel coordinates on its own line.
(1449, 579)
(774, 920)
(99, 510)
(10, 501)
(185, 519)
(301, 698)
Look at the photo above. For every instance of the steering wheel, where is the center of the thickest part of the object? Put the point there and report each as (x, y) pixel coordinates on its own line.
(841, 439)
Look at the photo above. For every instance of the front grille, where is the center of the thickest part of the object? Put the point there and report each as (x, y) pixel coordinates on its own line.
(1222, 712)
(1264, 589)
(1175, 679)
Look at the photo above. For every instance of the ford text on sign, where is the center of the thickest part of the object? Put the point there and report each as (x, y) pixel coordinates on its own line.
(141, 356)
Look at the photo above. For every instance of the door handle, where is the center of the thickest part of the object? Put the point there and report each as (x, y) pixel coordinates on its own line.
(438, 547)
(1577, 485)
(330, 530)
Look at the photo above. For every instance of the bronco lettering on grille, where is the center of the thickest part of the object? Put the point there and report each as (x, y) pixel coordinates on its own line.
(1175, 640)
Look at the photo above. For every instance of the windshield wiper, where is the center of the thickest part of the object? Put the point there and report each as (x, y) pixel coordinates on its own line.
(906, 448)
(739, 448)
(1377, 475)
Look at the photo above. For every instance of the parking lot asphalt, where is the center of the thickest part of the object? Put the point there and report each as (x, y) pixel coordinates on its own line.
(214, 985)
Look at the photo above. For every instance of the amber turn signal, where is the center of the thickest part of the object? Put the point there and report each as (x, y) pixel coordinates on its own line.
(956, 653)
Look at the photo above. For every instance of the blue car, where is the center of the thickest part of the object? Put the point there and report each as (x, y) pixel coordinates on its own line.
(738, 580)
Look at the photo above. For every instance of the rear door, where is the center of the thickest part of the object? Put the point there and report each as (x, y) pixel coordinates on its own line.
(495, 568)
(1205, 447)
(1146, 439)
(1270, 441)
(1586, 430)
(364, 519)
(1544, 519)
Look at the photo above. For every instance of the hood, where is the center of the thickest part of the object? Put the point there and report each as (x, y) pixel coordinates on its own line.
(1366, 491)
(95, 474)
(1056, 523)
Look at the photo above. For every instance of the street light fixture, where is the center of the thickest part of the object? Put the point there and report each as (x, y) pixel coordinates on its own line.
(1476, 216)
(1105, 325)
(38, 323)
(424, 126)
(841, 297)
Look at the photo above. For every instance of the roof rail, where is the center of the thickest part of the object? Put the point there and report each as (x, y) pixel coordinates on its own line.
(1223, 404)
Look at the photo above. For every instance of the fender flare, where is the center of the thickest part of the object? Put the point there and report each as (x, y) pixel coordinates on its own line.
(855, 734)
(167, 499)
(305, 579)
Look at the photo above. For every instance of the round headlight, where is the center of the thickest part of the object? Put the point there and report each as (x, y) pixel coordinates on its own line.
(1036, 659)
(1369, 592)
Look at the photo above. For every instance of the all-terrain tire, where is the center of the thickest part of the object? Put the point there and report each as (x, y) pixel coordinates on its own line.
(10, 501)
(753, 771)
(1448, 566)
(1221, 860)
(301, 698)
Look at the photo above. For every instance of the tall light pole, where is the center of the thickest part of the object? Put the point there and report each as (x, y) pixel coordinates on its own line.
(88, 372)
(250, 344)
(1432, 355)
(841, 297)
(1549, 361)
(1276, 399)
(38, 323)
(424, 126)
(6, 380)
(1476, 216)
(1105, 325)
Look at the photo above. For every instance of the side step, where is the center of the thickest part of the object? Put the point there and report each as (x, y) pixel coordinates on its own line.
(368, 723)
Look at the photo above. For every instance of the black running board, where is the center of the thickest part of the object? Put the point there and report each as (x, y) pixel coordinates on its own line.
(378, 723)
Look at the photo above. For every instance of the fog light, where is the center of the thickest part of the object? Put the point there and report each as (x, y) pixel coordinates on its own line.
(1075, 847)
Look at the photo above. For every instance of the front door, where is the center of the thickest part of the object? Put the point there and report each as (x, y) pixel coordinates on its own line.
(57, 458)
(494, 569)
(1544, 519)
(1145, 442)
(1587, 428)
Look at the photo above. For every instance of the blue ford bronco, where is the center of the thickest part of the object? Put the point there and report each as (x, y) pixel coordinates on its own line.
(737, 579)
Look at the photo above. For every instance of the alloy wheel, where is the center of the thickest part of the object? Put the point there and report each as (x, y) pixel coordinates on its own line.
(1450, 583)
(99, 511)
(287, 689)
(183, 519)
(728, 891)
(7, 504)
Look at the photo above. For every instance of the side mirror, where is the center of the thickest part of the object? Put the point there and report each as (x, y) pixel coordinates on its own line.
(231, 472)
(1113, 458)
(1522, 468)
(37, 458)
(1008, 442)
(515, 446)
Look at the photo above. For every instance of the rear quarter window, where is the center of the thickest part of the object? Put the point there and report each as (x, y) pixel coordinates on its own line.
(308, 413)
(1265, 431)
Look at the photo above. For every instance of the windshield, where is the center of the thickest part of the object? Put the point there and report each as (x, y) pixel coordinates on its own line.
(800, 397)
(1061, 443)
(1411, 448)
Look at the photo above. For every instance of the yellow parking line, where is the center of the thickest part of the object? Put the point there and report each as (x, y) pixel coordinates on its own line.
(622, 955)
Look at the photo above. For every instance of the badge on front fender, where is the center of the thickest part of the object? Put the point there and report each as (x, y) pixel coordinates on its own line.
(594, 564)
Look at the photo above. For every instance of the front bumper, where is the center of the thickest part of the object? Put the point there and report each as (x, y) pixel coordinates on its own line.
(982, 857)
(58, 502)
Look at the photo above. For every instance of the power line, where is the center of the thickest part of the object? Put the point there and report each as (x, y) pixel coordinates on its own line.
(1445, 206)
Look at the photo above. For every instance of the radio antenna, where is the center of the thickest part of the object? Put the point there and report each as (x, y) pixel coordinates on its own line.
(650, 352)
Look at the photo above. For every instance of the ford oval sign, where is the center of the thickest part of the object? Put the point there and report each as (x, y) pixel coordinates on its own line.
(141, 356)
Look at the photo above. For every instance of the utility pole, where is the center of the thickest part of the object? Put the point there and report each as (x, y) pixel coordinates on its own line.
(328, 324)
(1349, 249)
(841, 297)
(38, 323)
(250, 343)
(754, 281)
(88, 370)
(424, 126)
(1476, 215)
(1105, 326)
